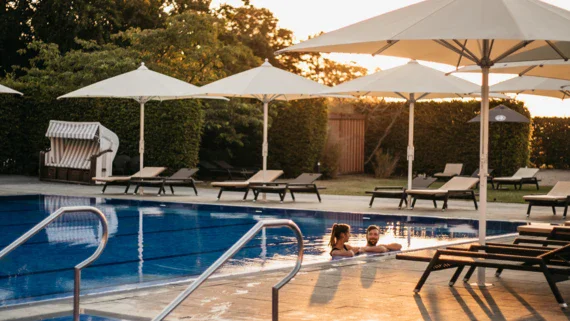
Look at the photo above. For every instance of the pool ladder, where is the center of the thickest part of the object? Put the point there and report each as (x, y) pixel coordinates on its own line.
(230, 253)
(78, 267)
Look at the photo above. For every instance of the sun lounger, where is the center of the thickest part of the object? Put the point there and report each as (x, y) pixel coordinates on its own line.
(304, 183)
(457, 187)
(489, 177)
(146, 172)
(243, 186)
(212, 169)
(451, 170)
(552, 263)
(522, 176)
(399, 192)
(182, 178)
(559, 196)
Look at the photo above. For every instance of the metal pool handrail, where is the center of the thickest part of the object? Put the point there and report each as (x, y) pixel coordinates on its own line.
(230, 253)
(78, 267)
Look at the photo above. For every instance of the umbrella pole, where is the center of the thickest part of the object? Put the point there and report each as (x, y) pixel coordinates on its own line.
(483, 166)
(141, 142)
(265, 146)
(411, 146)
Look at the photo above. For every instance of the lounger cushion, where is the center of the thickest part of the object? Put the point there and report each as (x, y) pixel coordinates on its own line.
(428, 191)
(243, 184)
(454, 184)
(444, 175)
(520, 174)
(270, 176)
(147, 172)
(559, 192)
(112, 179)
(543, 198)
(540, 228)
(450, 170)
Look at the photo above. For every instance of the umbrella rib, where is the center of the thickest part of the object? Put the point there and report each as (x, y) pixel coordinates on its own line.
(514, 49)
(389, 44)
(560, 53)
(563, 94)
(460, 56)
(527, 70)
(464, 48)
(422, 96)
(453, 48)
(399, 94)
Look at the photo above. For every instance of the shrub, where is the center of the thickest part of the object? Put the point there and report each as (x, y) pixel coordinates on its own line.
(550, 148)
(297, 135)
(384, 164)
(442, 135)
(330, 158)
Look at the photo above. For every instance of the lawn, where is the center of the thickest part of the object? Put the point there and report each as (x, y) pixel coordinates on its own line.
(359, 184)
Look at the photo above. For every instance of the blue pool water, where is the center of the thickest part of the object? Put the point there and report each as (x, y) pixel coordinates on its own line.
(154, 242)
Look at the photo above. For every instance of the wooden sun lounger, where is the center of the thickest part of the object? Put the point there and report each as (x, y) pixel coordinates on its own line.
(522, 176)
(304, 183)
(182, 178)
(146, 172)
(451, 170)
(244, 186)
(399, 192)
(457, 187)
(551, 262)
(559, 196)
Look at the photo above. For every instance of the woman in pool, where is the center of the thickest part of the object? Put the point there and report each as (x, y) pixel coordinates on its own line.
(339, 236)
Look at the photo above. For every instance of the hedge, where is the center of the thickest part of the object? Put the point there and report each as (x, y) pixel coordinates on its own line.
(172, 129)
(550, 142)
(297, 136)
(442, 135)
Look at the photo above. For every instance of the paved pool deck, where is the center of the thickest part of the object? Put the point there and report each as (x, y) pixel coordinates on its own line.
(363, 288)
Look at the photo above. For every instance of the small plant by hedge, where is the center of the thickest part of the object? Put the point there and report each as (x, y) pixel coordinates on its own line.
(297, 135)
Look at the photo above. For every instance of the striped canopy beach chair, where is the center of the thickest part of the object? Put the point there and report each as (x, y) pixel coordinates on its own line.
(79, 151)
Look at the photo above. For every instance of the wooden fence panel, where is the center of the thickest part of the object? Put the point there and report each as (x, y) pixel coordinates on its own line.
(349, 130)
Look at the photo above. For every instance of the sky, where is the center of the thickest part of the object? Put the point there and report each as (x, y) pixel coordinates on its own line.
(309, 17)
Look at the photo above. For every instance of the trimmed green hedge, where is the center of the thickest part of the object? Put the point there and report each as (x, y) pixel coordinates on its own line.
(551, 142)
(442, 135)
(172, 129)
(297, 136)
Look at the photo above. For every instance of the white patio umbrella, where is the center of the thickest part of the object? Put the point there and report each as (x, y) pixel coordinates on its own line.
(266, 83)
(411, 82)
(531, 85)
(7, 90)
(542, 61)
(142, 85)
(482, 32)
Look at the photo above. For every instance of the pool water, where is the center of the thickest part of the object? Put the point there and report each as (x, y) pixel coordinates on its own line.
(155, 242)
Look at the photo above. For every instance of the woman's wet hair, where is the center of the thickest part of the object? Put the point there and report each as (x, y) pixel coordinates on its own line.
(337, 230)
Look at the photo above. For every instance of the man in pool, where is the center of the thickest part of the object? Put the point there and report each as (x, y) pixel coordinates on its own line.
(372, 246)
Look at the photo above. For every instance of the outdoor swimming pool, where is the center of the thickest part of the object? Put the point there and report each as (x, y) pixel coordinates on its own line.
(155, 242)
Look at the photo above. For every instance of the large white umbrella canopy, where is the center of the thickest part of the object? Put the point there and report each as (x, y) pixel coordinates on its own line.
(530, 85)
(457, 32)
(546, 61)
(142, 85)
(266, 83)
(411, 82)
(7, 90)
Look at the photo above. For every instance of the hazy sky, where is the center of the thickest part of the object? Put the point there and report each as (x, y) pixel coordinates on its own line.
(309, 17)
